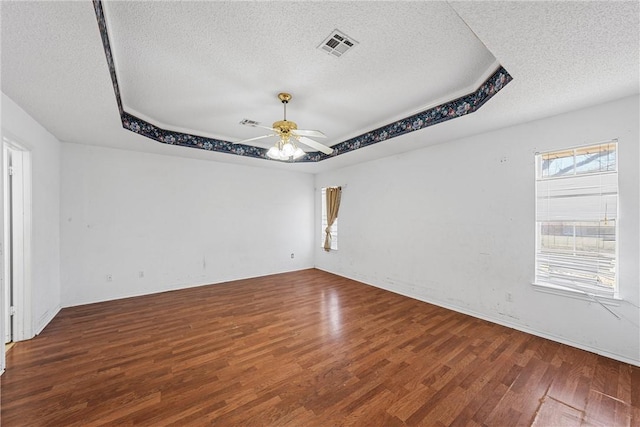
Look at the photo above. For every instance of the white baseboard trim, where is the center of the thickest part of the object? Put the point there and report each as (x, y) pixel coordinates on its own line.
(46, 319)
(176, 287)
(502, 322)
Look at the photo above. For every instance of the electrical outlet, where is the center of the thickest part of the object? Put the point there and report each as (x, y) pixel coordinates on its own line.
(292, 255)
(140, 274)
(508, 297)
(109, 278)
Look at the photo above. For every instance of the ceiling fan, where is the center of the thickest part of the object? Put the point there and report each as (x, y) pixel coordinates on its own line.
(288, 133)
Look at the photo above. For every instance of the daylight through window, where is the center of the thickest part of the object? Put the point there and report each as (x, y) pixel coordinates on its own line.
(577, 218)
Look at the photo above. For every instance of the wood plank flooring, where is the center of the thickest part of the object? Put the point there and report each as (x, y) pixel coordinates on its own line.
(303, 349)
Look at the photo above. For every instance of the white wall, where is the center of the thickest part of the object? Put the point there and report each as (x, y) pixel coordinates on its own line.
(44, 149)
(453, 224)
(182, 222)
(463, 236)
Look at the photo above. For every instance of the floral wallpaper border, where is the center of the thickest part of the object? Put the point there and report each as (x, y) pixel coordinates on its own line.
(450, 110)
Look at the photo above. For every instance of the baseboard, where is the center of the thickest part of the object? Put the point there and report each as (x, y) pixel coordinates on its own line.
(175, 287)
(46, 319)
(501, 322)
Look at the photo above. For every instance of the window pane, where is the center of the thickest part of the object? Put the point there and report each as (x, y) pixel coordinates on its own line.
(577, 253)
(577, 237)
(597, 238)
(601, 158)
(556, 236)
(595, 158)
(560, 165)
(576, 218)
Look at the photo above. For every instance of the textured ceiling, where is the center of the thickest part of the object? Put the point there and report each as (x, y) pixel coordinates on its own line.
(235, 57)
(204, 66)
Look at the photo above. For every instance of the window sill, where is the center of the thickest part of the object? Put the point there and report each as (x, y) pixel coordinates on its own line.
(549, 288)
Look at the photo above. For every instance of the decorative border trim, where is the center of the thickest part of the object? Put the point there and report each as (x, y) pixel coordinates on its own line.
(106, 44)
(450, 110)
(144, 128)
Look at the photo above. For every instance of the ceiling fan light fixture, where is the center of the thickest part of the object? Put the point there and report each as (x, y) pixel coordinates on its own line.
(288, 150)
(285, 150)
(286, 147)
(274, 153)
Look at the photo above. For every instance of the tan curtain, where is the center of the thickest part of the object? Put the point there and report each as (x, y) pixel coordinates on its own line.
(333, 195)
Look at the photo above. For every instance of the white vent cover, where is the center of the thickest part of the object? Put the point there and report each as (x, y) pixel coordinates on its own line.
(337, 44)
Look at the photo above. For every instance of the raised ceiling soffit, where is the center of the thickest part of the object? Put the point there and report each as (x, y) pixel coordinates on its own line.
(441, 113)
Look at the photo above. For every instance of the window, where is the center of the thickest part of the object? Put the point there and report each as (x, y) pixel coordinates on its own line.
(577, 219)
(334, 227)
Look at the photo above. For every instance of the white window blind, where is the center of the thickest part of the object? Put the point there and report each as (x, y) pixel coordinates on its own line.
(334, 227)
(577, 217)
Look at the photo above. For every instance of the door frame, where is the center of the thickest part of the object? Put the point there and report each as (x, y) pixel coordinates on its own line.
(7, 326)
(22, 231)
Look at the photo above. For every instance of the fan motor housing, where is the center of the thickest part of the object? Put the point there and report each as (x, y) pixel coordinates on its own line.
(284, 127)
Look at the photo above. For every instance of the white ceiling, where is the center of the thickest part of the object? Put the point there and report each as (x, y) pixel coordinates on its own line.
(235, 57)
(201, 67)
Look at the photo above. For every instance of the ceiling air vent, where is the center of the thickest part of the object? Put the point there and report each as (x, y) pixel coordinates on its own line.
(337, 44)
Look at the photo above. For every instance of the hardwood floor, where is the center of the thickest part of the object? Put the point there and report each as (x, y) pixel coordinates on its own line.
(303, 349)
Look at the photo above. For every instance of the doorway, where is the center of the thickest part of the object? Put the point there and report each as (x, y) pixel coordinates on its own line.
(17, 241)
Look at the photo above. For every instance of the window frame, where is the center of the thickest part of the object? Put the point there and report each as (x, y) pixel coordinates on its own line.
(598, 294)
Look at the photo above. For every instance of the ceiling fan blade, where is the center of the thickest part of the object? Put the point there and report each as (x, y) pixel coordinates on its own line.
(264, 127)
(255, 139)
(253, 124)
(316, 145)
(308, 132)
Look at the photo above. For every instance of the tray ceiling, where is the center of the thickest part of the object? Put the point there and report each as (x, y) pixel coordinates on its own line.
(188, 99)
(201, 67)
